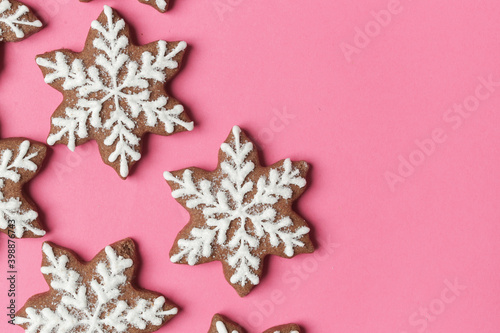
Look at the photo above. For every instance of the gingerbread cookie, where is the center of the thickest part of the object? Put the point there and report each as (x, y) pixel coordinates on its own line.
(240, 212)
(17, 21)
(114, 92)
(221, 324)
(20, 161)
(160, 5)
(98, 296)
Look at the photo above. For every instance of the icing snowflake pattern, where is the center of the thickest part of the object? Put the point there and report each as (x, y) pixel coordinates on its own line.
(242, 207)
(17, 21)
(19, 161)
(114, 98)
(160, 5)
(221, 324)
(94, 306)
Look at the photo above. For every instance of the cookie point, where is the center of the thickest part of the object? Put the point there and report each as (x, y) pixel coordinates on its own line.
(124, 173)
(46, 247)
(236, 130)
(128, 242)
(162, 6)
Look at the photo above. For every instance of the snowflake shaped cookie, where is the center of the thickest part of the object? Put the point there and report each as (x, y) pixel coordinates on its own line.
(20, 161)
(114, 92)
(160, 5)
(240, 212)
(17, 21)
(95, 297)
(221, 324)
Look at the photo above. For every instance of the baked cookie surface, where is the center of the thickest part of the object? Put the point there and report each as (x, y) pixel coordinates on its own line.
(240, 212)
(114, 92)
(98, 296)
(17, 21)
(20, 161)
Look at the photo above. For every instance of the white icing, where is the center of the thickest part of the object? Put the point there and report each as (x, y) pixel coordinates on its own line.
(257, 219)
(10, 209)
(90, 82)
(15, 21)
(221, 328)
(161, 4)
(77, 312)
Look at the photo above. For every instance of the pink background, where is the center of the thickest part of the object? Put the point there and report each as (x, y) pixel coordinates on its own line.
(386, 255)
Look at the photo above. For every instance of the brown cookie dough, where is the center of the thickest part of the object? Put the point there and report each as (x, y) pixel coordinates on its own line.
(240, 212)
(20, 160)
(96, 296)
(17, 21)
(114, 92)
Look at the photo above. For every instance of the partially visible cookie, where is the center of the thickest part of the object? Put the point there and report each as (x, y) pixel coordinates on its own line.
(17, 21)
(240, 212)
(114, 92)
(221, 324)
(20, 160)
(97, 296)
(160, 5)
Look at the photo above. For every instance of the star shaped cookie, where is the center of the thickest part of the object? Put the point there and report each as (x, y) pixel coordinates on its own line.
(20, 160)
(99, 296)
(114, 92)
(17, 21)
(240, 212)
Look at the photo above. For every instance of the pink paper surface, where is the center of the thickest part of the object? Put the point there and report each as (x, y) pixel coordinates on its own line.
(416, 253)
